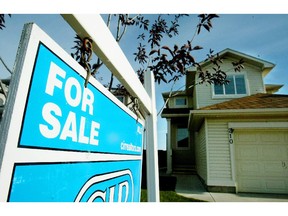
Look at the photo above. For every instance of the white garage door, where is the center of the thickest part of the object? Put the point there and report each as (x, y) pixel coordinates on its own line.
(261, 161)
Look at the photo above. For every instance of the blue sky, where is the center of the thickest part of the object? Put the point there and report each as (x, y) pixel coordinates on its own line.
(259, 35)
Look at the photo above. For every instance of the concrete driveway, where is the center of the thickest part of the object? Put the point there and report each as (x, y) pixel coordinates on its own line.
(190, 186)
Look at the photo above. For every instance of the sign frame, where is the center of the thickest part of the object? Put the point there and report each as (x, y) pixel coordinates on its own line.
(10, 130)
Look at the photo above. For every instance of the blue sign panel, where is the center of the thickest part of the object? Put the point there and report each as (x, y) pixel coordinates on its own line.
(62, 114)
(76, 182)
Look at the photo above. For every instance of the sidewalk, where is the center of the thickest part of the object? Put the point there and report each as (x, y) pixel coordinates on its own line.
(190, 186)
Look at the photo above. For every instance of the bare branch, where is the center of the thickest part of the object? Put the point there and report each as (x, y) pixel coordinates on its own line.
(109, 20)
(5, 65)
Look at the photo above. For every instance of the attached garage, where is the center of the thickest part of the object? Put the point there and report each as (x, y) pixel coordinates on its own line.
(242, 144)
(261, 160)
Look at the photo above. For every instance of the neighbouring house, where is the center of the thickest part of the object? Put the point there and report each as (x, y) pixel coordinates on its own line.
(4, 83)
(235, 136)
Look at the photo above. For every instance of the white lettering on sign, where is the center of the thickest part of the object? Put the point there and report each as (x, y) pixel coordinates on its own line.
(102, 194)
(75, 95)
(130, 147)
(110, 187)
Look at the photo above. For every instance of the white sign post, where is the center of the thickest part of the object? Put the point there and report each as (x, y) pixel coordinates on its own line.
(151, 144)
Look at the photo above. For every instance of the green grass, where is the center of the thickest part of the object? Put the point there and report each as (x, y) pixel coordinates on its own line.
(168, 196)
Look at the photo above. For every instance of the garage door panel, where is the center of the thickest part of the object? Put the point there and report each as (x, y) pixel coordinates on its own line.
(263, 169)
(273, 169)
(246, 168)
(249, 184)
(275, 152)
(247, 152)
(276, 185)
(262, 185)
(261, 159)
(271, 138)
(246, 138)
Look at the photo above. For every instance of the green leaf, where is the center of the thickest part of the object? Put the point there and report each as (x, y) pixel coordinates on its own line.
(197, 48)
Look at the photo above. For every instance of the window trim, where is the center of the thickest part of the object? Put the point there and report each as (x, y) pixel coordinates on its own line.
(220, 96)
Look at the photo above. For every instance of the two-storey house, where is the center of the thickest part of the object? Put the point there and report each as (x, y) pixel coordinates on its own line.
(234, 136)
(4, 83)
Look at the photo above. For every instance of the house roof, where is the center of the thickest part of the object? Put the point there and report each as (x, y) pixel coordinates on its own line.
(257, 101)
(265, 65)
(261, 105)
(172, 112)
(173, 94)
(272, 88)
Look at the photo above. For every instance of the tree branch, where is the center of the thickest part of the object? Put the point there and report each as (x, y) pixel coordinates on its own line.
(5, 65)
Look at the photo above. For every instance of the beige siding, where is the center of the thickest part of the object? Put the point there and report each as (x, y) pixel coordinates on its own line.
(254, 82)
(219, 166)
(195, 99)
(203, 95)
(200, 153)
(190, 101)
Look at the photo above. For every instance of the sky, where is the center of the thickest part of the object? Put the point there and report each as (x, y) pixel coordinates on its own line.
(263, 36)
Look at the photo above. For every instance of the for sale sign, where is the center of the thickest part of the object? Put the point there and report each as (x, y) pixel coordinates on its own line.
(61, 141)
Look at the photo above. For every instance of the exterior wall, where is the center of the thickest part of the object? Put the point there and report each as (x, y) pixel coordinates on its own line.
(219, 164)
(220, 153)
(201, 153)
(190, 101)
(172, 101)
(195, 99)
(254, 83)
(255, 80)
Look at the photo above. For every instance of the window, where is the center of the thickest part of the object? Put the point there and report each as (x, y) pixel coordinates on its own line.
(182, 137)
(236, 86)
(181, 102)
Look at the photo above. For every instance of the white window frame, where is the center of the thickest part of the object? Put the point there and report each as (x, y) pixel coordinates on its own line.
(181, 106)
(224, 95)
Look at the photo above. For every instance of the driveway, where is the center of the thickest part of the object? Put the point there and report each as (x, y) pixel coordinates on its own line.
(190, 186)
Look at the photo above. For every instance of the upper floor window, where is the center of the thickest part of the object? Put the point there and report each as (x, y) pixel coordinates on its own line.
(236, 86)
(181, 102)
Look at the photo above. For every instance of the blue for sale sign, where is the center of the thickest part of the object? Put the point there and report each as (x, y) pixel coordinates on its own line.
(68, 116)
(75, 143)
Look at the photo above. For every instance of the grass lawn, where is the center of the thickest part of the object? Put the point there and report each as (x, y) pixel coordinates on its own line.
(168, 196)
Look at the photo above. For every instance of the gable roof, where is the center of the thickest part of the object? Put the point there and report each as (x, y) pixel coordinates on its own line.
(265, 65)
(272, 88)
(257, 101)
(247, 58)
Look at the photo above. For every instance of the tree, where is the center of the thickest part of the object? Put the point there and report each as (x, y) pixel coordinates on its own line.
(2, 20)
(2, 25)
(168, 63)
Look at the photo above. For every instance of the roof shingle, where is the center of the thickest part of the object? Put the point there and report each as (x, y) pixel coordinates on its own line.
(257, 101)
